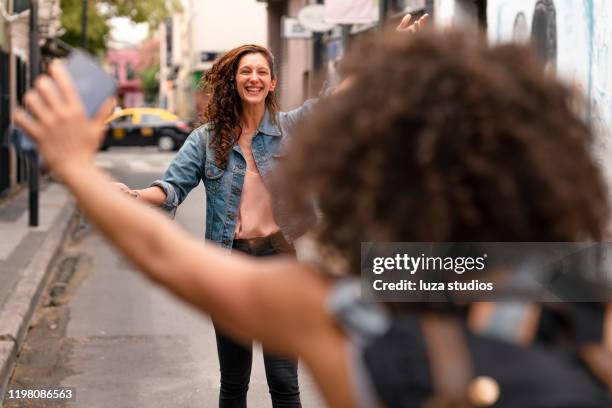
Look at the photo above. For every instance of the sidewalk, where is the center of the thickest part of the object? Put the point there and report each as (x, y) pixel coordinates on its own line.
(25, 254)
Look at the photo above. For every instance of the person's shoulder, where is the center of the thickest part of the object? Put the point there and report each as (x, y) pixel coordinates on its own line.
(202, 133)
(203, 130)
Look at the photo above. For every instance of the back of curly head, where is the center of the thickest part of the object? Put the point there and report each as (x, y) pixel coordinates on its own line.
(224, 108)
(443, 138)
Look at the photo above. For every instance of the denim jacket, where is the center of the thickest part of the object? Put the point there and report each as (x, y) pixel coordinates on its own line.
(195, 162)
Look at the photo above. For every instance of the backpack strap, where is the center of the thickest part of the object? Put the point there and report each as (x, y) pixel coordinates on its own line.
(450, 362)
(599, 362)
(607, 330)
(598, 357)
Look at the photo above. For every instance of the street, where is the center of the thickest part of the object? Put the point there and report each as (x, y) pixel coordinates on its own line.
(116, 338)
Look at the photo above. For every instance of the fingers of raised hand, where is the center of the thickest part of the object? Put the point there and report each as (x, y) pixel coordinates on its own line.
(46, 102)
(421, 22)
(405, 23)
(418, 25)
(25, 121)
(48, 91)
(37, 105)
(408, 24)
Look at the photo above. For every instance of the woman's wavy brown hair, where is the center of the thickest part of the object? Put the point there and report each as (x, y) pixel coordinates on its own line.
(440, 137)
(224, 108)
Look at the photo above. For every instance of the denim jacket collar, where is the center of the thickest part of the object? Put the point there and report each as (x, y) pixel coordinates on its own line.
(268, 126)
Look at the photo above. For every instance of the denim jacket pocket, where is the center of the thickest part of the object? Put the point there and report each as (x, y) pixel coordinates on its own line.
(212, 176)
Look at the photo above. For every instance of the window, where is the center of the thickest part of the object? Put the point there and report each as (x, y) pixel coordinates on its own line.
(123, 120)
(150, 119)
(114, 69)
(130, 71)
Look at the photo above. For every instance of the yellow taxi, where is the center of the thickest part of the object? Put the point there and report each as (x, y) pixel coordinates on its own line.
(145, 127)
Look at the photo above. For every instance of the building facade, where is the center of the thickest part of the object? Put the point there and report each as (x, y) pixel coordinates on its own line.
(123, 64)
(14, 76)
(306, 63)
(572, 39)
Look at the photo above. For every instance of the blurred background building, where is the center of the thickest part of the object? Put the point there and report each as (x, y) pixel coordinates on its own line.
(573, 39)
(122, 64)
(15, 38)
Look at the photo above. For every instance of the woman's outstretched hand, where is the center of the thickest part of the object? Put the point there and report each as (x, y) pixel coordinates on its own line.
(125, 189)
(57, 122)
(412, 26)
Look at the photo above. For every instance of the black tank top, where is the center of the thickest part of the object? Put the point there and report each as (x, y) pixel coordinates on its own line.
(390, 364)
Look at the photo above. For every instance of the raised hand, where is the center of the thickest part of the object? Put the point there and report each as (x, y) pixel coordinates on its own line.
(412, 26)
(57, 122)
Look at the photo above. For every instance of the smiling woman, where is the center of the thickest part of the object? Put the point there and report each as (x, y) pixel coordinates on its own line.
(233, 154)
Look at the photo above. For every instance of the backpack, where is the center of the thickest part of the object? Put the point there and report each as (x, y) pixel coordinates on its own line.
(436, 361)
(582, 328)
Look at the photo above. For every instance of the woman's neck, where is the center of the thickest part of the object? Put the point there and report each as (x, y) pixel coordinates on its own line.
(252, 116)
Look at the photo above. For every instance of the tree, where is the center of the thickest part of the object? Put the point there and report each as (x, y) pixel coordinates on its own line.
(99, 13)
(148, 68)
(150, 83)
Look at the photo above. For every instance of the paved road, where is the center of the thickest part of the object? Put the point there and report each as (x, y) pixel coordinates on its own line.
(118, 339)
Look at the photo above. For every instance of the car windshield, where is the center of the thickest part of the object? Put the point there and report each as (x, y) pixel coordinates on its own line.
(123, 120)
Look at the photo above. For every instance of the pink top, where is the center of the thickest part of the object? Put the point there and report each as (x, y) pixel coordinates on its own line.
(255, 217)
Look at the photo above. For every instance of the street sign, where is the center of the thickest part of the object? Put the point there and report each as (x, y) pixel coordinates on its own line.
(291, 29)
(312, 17)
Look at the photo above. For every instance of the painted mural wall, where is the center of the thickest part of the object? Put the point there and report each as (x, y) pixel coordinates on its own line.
(573, 37)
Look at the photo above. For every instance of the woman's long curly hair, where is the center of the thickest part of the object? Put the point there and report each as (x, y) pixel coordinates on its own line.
(224, 108)
(440, 137)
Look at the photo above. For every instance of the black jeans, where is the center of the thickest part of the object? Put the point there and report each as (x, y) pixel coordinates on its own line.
(235, 359)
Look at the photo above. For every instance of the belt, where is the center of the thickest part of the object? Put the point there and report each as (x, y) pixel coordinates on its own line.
(253, 245)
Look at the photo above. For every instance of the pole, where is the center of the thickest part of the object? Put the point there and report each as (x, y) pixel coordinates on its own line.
(84, 25)
(383, 7)
(317, 42)
(33, 154)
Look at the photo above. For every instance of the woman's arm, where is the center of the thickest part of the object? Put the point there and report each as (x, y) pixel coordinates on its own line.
(152, 195)
(155, 195)
(183, 174)
(278, 302)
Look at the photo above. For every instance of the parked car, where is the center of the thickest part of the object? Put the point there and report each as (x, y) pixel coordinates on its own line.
(145, 127)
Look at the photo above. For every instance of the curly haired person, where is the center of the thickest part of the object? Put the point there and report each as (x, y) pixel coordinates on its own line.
(436, 138)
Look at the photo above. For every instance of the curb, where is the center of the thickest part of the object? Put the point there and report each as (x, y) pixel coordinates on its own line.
(18, 309)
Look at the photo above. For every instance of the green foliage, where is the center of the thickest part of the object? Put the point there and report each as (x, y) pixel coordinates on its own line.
(97, 25)
(150, 83)
(99, 13)
(139, 11)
